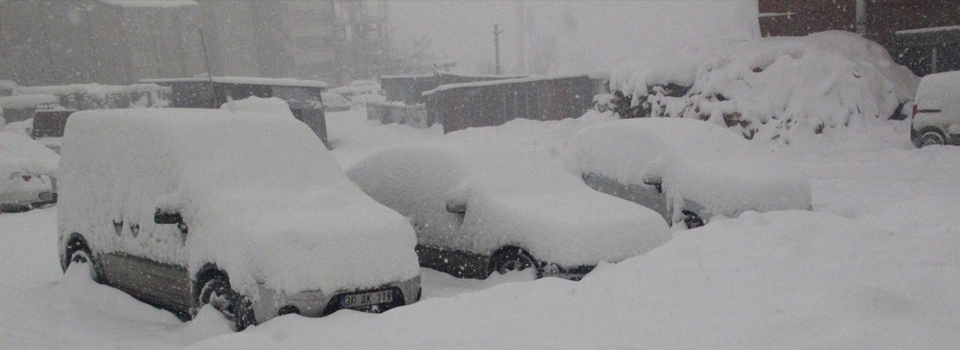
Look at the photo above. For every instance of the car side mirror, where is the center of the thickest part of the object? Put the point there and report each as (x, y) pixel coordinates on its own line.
(653, 180)
(456, 207)
(167, 217)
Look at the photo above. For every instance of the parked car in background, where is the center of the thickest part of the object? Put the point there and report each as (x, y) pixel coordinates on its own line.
(23, 127)
(481, 203)
(245, 211)
(48, 127)
(29, 172)
(685, 169)
(936, 112)
(333, 102)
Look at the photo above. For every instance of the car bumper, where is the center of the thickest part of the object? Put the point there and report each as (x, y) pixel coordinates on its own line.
(318, 304)
(25, 198)
(568, 273)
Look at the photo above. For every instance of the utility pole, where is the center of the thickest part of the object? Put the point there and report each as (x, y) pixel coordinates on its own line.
(496, 43)
(205, 58)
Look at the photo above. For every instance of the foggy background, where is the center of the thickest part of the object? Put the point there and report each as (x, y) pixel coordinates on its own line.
(548, 37)
(46, 42)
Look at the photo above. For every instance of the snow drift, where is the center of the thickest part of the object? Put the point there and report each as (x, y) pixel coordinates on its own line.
(780, 88)
(781, 280)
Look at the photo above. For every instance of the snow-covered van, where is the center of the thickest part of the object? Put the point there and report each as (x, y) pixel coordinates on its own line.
(245, 211)
(936, 112)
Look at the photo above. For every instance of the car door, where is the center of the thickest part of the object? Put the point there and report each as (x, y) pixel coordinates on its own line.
(151, 264)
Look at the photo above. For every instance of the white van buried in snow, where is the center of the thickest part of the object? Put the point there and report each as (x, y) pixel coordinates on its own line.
(242, 210)
(936, 112)
(687, 170)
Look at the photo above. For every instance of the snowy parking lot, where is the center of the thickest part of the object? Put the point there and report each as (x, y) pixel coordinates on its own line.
(875, 265)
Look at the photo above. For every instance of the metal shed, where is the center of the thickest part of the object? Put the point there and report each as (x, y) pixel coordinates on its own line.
(491, 103)
(303, 96)
(409, 88)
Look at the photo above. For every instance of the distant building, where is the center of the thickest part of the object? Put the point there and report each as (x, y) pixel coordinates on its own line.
(313, 42)
(107, 42)
(923, 35)
(57, 42)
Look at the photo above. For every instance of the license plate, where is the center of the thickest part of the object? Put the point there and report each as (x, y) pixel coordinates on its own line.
(373, 298)
(45, 196)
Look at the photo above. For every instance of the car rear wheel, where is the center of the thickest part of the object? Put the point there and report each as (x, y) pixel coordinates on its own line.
(231, 304)
(512, 259)
(931, 138)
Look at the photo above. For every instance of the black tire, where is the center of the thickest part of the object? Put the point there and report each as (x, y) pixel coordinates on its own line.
(217, 292)
(692, 220)
(11, 208)
(77, 253)
(930, 138)
(512, 259)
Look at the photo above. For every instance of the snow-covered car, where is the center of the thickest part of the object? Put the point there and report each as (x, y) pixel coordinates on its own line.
(936, 113)
(478, 210)
(685, 169)
(246, 211)
(333, 102)
(29, 172)
(23, 127)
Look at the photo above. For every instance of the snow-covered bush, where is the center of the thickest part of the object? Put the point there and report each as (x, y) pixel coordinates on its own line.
(772, 88)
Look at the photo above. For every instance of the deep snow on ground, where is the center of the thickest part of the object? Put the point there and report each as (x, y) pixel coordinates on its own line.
(876, 265)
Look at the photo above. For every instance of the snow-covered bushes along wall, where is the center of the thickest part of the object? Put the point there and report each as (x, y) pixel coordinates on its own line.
(773, 88)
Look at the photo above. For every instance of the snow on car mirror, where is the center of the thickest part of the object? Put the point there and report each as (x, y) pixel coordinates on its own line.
(653, 180)
(167, 217)
(170, 217)
(456, 207)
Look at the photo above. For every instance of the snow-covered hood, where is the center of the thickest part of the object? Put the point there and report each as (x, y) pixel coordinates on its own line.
(23, 154)
(315, 239)
(732, 186)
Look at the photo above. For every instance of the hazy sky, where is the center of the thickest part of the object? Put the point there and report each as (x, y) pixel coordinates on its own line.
(588, 35)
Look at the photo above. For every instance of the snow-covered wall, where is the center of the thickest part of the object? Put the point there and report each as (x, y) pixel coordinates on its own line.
(773, 88)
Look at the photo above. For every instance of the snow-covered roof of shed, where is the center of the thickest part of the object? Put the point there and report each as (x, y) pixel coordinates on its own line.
(246, 80)
(151, 3)
(402, 76)
(927, 30)
(91, 89)
(500, 82)
(27, 101)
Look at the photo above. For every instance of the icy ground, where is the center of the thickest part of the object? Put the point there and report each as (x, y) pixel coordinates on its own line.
(875, 266)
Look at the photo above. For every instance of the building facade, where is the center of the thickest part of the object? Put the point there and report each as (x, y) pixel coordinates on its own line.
(107, 42)
(54, 42)
(923, 35)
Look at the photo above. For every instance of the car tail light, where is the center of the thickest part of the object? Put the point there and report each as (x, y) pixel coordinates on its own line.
(914, 114)
(25, 177)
